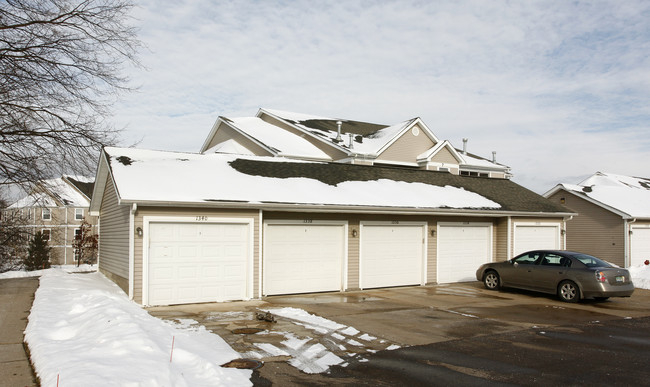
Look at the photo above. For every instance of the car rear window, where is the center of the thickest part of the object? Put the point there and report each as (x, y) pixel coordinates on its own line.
(590, 261)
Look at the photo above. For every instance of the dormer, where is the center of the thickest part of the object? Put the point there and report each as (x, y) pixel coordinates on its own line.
(441, 157)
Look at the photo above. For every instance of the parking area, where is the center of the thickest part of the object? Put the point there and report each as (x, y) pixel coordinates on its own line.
(315, 331)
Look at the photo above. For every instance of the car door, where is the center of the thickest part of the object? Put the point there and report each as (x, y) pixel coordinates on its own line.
(549, 272)
(520, 273)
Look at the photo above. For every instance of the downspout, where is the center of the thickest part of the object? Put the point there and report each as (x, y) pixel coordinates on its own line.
(564, 220)
(134, 208)
(260, 254)
(65, 238)
(509, 239)
(628, 240)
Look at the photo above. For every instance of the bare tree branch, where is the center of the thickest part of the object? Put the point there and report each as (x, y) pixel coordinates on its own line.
(60, 73)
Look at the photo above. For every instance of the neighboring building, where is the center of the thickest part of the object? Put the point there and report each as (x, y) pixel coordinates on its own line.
(276, 204)
(613, 217)
(56, 208)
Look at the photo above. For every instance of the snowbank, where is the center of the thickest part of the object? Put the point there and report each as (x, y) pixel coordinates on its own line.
(84, 330)
(640, 276)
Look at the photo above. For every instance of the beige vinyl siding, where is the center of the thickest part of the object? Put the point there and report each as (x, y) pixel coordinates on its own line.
(353, 251)
(331, 151)
(501, 240)
(225, 133)
(444, 156)
(594, 230)
(406, 148)
(114, 238)
(192, 212)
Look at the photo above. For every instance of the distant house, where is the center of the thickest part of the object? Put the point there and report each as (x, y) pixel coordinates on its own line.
(285, 203)
(56, 208)
(613, 217)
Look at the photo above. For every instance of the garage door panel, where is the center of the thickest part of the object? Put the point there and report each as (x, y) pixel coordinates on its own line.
(391, 255)
(303, 258)
(639, 246)
(188, 262)
(536, 237)
(461, 250)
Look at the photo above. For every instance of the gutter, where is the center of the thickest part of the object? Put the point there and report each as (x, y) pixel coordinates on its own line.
(134, 208)
(355, 209)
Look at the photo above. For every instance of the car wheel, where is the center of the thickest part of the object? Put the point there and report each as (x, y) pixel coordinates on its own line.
(568, 291)
(491, 280)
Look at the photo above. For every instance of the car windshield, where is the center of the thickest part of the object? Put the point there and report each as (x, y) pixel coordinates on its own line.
(590, 261)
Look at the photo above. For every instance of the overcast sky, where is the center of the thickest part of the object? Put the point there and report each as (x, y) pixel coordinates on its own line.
(558, 89)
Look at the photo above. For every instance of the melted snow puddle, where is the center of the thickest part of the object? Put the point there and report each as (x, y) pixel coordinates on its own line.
(308, 354)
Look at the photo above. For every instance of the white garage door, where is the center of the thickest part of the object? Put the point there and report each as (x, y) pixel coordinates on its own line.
(391, 255)
(303, 258)
(197, 262)
(536, 237)
(639, 246)
(462, 248)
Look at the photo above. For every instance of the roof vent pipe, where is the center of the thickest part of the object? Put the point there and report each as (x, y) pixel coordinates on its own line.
(351, 141)
(494, 156)
(338, 132)
(464, 146)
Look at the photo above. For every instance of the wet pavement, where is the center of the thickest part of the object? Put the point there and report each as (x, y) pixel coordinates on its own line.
(429, 324)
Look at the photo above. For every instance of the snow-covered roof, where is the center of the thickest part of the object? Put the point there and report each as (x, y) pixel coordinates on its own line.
(64, 191)
(213, 179)
(279, 140)
(368, 138)
(627, 195)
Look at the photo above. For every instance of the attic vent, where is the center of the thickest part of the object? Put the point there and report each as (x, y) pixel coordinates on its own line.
(644, 184)
(338, 132)
(586, 189)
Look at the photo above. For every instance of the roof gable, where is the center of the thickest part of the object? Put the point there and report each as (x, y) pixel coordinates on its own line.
(626, 196)
(66, 191)
(367, 138)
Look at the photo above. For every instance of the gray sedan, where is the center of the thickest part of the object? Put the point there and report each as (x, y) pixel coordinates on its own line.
(570, 275)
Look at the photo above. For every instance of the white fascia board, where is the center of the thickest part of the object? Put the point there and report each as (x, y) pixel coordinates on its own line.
(481, 168)
(329, 143)
(396, 137)
(213, 131)
(100, 184)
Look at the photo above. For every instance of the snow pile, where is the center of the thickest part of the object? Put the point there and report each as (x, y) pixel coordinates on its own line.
(84, 331)
(640, 276)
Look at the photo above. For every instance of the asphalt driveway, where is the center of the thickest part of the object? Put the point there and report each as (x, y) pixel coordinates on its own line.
(404, 318)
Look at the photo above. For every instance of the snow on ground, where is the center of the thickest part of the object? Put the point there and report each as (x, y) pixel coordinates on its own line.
(640, 276)
(84, 331)
(67, 268)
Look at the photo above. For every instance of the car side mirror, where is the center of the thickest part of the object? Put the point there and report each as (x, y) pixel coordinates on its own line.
(515, 264)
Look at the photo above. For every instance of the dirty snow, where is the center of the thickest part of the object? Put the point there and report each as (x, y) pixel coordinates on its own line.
(84, 331)
(313, 357)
